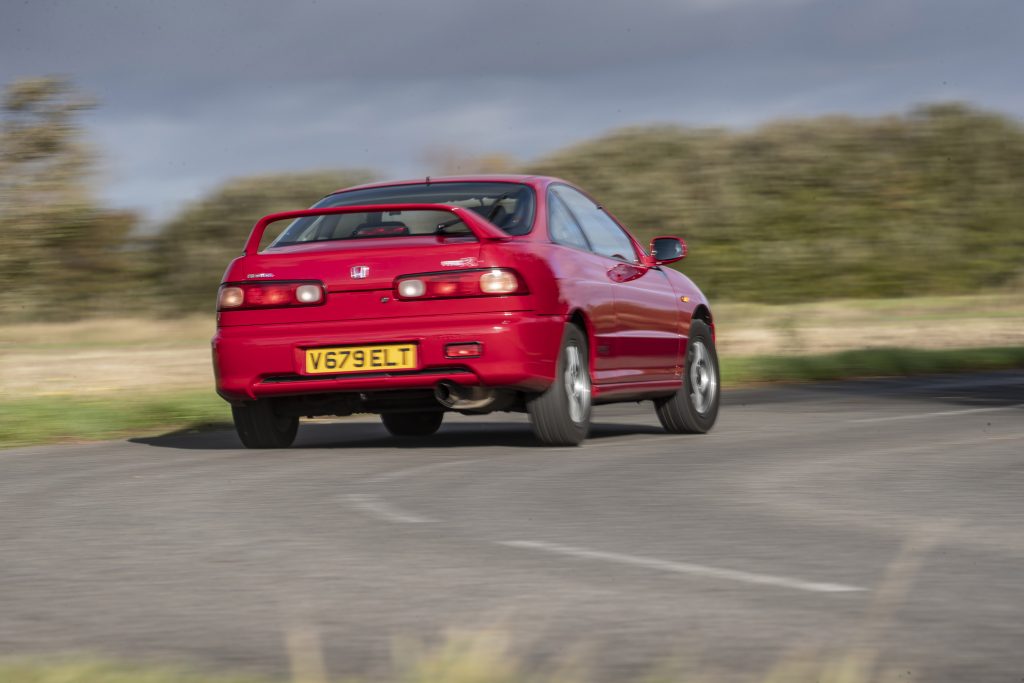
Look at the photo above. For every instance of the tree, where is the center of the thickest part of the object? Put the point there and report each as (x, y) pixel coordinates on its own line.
(62, 251)
(927, 203)
(192, 251)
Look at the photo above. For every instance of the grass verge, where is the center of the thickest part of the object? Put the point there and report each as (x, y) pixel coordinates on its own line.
(474, 659)
(104, 416)
(882, 362)
(53, 419)
(460, 661)
(99, 671)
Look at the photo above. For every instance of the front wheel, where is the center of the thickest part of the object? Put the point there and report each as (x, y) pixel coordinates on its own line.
(694, 408)
(258, 426)
(561, 415)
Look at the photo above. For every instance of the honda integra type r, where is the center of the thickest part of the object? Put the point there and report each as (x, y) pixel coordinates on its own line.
(471, 295)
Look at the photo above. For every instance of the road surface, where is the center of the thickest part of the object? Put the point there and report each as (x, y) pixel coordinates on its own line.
(883, 515)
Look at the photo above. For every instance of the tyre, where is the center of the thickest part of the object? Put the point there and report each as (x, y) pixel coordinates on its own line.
(694, 408)
(258, 426)
(561, 415)
(412, 424)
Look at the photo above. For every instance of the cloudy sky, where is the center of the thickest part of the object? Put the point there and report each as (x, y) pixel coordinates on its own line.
(193, 92)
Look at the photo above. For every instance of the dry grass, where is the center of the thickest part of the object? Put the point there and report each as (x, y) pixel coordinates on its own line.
(108, 333)
(826, 327)
(464, 657)
(99, 357)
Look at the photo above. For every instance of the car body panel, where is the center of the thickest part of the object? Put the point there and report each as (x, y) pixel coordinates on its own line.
(648, 342)
(256, 361)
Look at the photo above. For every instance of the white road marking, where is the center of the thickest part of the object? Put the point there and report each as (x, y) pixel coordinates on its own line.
(941, 413)
(381, 509)
(684, 567)
(409, 471)
(375, 506)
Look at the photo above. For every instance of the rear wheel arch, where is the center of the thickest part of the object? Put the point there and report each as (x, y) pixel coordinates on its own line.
(579, 319)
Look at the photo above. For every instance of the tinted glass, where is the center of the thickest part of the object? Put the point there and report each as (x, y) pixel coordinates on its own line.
(507, 205)
(605, 236)
(563, 227)
(363, 225)
(510, 206)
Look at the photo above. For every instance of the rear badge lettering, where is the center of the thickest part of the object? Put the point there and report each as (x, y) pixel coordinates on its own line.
(467, 262)
(360, 272)
(259, 275)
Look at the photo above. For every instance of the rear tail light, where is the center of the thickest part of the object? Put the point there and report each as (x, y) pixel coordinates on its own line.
(499, 281)
(460, 283)
(269, 295)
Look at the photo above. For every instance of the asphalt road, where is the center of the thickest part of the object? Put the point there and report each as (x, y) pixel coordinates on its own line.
(880, 515)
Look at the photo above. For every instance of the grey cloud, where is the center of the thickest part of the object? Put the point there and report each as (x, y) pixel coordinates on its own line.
(193, 92)
(267, 41)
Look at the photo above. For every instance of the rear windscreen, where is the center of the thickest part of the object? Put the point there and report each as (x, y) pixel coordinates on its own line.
(510, 206)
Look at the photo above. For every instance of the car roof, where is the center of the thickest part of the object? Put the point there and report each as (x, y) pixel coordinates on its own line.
(535, 181)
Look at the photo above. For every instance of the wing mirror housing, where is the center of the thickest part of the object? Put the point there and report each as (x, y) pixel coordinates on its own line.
(665, 250)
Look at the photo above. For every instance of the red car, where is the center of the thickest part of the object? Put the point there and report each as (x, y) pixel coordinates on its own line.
(472, 294)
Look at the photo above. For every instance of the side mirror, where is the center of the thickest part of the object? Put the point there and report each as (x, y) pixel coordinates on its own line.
(667, 250)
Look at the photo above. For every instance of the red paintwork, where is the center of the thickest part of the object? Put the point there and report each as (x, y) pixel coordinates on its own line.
(637, 316)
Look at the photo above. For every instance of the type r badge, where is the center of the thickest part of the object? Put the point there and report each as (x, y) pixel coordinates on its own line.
(360, 272)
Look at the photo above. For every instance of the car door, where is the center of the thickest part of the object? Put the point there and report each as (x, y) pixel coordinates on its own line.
(645, 342)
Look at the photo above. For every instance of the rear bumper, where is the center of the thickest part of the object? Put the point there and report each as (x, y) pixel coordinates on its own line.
(519, 352)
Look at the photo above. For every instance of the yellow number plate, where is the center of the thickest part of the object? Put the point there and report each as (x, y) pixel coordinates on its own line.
(338, 359)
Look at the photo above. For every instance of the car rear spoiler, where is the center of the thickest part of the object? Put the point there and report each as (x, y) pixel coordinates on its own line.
(481, 228)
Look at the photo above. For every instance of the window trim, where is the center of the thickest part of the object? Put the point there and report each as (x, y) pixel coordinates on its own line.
(638, 252)
(589, 249)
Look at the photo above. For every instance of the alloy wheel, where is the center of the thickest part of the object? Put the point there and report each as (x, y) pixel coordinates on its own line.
(703, 378)
(577, 383)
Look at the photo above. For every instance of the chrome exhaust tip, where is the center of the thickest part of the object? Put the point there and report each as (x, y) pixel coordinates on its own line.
(444, 394)
(457, 397)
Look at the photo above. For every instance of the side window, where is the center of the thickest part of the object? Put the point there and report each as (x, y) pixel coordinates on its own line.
(605, 236)
(563, 227)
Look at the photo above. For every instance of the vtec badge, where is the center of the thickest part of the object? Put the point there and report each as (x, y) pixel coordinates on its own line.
(360, 272)
(468, 262)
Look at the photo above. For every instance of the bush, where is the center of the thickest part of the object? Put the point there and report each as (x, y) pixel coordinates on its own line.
(930, 202)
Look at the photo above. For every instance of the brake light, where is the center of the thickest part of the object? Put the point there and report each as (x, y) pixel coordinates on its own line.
(460, 283)
(269, 295)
